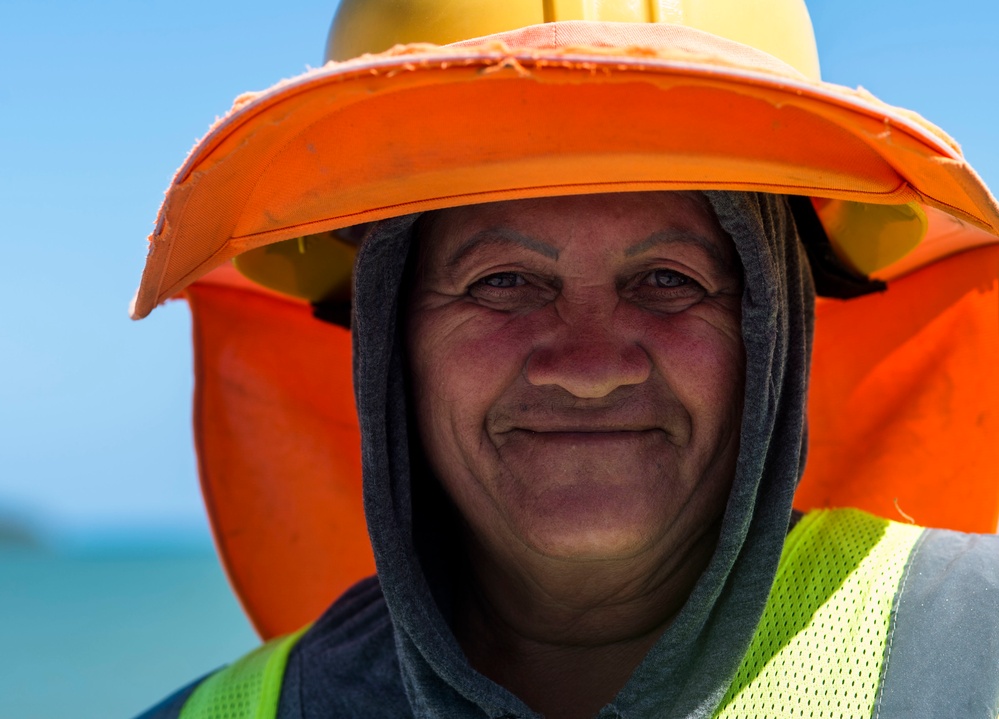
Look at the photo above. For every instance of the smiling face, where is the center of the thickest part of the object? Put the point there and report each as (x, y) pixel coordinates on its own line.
(577, 370)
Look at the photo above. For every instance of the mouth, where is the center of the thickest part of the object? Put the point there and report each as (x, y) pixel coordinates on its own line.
(587, 436)
(538, 423)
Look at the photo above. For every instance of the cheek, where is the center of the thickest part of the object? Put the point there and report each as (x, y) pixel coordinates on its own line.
(701, 357)
(461, 360)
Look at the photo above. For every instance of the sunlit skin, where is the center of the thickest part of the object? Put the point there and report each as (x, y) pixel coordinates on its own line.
(577, 371)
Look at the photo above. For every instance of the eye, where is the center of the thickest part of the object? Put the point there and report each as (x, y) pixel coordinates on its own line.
(502, 280)
(669, 279)
(667, 290)
(511, 291)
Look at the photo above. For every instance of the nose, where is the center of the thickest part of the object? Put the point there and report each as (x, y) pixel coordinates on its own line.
(589, 358)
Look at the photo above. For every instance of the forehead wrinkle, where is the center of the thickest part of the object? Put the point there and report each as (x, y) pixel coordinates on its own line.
(670, 237)
(500, 236)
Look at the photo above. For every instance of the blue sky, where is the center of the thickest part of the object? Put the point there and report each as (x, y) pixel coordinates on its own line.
(100, 102)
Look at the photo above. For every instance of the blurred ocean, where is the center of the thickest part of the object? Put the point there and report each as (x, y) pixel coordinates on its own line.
(107, 629)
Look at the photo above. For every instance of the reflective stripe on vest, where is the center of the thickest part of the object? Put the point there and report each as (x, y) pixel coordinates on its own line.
(821, 642)
(247, 689)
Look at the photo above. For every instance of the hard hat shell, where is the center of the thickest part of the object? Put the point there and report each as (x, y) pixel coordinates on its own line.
(318, 269)
(865, 238)
(781, 28)
(567, 107)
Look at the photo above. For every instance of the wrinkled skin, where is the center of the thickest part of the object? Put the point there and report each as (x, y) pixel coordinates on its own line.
(578, 369)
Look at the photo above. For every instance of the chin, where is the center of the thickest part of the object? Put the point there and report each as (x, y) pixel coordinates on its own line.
(591, 527)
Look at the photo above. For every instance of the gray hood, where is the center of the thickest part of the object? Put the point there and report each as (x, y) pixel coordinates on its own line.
(688, 671)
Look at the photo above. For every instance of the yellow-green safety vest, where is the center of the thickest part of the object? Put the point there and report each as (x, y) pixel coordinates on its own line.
(822, 647)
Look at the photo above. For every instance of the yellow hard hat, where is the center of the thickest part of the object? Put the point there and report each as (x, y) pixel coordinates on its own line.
(317, 268)
(864, 237)
(779, 27)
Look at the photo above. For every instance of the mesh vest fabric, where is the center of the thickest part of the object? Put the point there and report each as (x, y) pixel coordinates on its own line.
(818, 651)
(820, 646)
(247, 689)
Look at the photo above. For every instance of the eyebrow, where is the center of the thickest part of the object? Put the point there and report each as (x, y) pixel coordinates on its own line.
(670, 237)
(500, 236)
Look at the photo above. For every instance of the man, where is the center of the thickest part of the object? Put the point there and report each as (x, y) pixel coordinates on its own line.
(582, 414)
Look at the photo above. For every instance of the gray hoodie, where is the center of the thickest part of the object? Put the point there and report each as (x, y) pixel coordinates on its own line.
(385, 649)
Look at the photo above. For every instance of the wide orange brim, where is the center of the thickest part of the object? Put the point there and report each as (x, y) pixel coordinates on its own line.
(424, 127)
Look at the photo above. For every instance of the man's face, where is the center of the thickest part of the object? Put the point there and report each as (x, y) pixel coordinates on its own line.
(577, 369)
